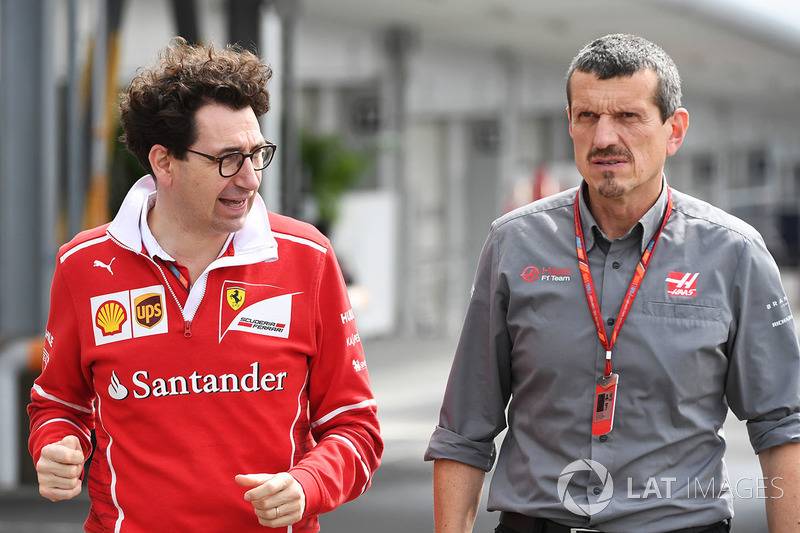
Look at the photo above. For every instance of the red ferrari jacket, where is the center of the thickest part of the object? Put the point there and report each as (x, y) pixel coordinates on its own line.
(258, 369)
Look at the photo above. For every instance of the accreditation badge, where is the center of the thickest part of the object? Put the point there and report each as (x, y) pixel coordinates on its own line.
(605, 400)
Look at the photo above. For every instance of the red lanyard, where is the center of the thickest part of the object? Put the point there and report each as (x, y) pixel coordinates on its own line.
(588, 284)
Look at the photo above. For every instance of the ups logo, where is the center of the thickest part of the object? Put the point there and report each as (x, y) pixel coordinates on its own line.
(149, 309)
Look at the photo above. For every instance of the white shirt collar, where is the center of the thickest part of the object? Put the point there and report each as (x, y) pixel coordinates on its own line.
(253, 243)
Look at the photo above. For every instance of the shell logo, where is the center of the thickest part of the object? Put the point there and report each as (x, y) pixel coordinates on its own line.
(110, 317)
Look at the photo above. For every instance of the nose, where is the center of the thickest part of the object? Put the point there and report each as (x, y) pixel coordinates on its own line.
(247, 177)
(605, 133)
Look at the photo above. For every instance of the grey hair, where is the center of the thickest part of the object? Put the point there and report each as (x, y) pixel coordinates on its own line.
(624, 55)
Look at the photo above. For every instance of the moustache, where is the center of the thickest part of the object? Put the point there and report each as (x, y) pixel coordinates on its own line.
(610, 152)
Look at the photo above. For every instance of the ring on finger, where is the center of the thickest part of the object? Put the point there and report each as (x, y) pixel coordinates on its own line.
(277, 513)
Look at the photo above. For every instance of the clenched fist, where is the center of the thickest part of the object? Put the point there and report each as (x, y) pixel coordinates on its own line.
(59, 469)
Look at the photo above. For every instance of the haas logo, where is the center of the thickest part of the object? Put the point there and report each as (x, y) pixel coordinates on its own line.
(680, 284)
(530, 274)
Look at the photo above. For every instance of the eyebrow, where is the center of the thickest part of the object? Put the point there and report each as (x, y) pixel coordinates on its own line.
(617, 108)
(234, 149)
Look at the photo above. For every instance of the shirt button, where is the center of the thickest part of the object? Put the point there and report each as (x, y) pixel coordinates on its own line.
(615, 264)
(603, 438)
(610, 321)
(597, 490)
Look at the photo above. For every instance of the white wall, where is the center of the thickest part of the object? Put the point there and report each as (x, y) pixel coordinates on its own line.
(365, 243)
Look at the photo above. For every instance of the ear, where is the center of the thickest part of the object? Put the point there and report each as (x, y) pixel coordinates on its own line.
(569, 119)
(161, 162)
(678, 123)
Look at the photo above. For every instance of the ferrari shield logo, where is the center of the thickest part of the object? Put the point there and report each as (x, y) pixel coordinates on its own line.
(235, 297)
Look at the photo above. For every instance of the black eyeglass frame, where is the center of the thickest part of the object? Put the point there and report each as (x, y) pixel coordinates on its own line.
(219, 160)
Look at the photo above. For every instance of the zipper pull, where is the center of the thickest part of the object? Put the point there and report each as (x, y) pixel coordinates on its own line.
(187, 328)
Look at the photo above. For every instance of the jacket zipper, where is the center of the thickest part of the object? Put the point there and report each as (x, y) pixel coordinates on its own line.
(187, 324)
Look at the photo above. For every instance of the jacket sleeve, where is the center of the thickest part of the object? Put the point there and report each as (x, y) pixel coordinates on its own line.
(342, 408)
(62, 398)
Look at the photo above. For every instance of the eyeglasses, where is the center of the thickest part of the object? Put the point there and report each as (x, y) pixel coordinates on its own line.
(230, 164)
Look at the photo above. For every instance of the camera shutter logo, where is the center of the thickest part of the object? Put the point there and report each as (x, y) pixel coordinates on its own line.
(603, 499)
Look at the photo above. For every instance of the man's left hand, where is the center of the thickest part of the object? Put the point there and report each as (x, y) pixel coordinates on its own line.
(278, 499)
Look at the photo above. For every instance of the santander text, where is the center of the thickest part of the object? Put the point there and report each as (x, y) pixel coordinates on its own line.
(252, 381)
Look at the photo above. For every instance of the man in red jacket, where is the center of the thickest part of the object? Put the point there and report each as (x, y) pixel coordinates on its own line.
(209, 343)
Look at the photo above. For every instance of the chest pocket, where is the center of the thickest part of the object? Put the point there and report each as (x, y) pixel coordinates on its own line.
(681, 311)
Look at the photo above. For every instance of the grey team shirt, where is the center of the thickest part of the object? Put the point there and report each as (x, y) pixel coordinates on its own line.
(710, 328)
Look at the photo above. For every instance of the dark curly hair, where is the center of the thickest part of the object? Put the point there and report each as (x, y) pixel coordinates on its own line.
(160, 103)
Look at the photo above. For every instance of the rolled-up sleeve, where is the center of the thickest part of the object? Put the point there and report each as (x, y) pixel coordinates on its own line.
(478, 389)
(763, 384)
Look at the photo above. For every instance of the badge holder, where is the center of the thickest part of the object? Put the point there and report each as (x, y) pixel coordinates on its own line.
(605, 400)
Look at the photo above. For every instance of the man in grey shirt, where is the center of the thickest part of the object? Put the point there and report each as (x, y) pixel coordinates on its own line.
(610, 328)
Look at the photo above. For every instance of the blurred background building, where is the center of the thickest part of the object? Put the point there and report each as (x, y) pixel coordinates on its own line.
(423, 121)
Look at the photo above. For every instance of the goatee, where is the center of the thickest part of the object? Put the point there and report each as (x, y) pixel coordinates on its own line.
(610, 188)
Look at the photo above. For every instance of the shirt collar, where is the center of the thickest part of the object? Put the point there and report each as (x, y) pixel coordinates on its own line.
(645, 227)
(149, 242)
(253, 243)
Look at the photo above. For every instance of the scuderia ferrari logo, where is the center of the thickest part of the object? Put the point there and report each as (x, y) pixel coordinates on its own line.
(235, 296)
(267, 310)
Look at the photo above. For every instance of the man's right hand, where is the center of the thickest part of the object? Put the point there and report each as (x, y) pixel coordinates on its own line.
(59, 469)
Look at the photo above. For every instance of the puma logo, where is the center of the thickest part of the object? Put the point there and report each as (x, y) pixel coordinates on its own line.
(99, 263)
